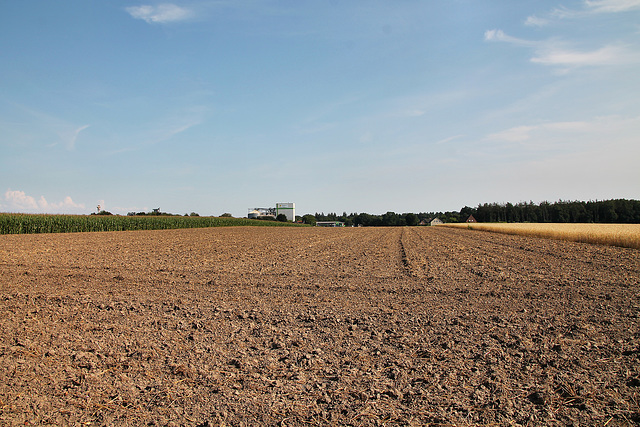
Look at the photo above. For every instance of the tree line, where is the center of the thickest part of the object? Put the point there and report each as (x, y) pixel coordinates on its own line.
(599, 211)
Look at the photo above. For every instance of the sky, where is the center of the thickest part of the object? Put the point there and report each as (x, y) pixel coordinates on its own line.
(215, 106)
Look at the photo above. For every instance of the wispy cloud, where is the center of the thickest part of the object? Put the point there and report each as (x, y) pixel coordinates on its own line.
(559, 53)
(66, 131)
(589, 7)
(181, 122)
(70, 137)
(607, 55)
(534, 21)
(612, 6)
(514, 134)
(161, 130)
(179, 128)
(160, 14)
(544, 134)
(500, 36)
(19, 201)
(525, 133)
(413, 113)
(449, 139)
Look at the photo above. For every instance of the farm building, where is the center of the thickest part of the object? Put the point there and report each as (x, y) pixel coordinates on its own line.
(471, 219)
(436, 221)
(287, 209)
(329, 224)
(256, 213)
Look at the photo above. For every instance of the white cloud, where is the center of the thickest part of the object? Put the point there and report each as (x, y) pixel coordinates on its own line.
(590, 7)
(449, 139)
(611, 6)
(514, 134)
(181, 128)
(524, 133)
(500, 36)
(555, 52)
(414, 113)
(66, 205)
(70, 136)
(160, 14)
(608, 55)
(534, 21)
(166, 131)
(50, 126)
(613, 126)
(19, 201)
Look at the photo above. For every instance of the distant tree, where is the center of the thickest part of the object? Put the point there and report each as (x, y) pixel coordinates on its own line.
(608, 211)
(450, 217)
(226, 215)
(281, 218)
(559, 212)
(393, 219)
(309, 219)
(603, 211)
(465, 212)
(411, 219)
(530, 212)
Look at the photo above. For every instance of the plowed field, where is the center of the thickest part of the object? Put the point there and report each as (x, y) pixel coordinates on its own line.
(312, 326)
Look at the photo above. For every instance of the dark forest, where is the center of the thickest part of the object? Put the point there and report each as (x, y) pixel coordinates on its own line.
(603, 211)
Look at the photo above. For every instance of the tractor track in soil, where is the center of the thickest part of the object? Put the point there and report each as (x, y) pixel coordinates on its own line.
(360, 326)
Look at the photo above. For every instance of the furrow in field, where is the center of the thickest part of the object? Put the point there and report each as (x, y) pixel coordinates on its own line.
(593, 255)
(431, 257)
(349, 253)
(519, 258)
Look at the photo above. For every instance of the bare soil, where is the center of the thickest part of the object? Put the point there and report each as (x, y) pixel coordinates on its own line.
(292, 327)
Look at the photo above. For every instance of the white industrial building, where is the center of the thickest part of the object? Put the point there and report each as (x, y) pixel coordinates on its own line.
(287, 209)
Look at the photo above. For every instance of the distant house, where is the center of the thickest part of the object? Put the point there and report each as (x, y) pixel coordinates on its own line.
(471, 219)
(436, 221)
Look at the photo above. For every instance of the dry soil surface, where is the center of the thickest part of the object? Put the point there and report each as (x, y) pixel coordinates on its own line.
(293, 327)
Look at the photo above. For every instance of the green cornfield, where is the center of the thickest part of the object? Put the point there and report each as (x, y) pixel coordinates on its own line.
(32, 223)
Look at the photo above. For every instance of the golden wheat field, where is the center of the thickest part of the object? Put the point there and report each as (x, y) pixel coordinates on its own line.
(623, 235)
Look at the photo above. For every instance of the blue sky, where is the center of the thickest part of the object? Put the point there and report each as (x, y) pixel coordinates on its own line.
(357, 106)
